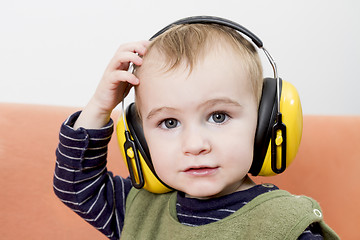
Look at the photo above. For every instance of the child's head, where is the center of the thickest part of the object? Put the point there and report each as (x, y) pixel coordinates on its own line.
(198, 99)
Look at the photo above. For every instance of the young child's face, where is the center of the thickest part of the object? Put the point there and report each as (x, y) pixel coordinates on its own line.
(200, 126)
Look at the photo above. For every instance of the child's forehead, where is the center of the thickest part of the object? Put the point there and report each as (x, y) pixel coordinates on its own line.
(157, 62)
(218, 69)
(218, 60)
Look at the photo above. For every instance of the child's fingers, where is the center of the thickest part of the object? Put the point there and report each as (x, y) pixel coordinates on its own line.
(126, 53)
(121, 60)
(124, 76)
(136, 47)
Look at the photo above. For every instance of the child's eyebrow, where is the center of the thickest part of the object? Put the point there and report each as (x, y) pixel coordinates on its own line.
(218, 101)
(206, 104)
(155, 111)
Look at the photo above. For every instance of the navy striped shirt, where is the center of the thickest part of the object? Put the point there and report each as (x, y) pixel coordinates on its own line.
(83, 183)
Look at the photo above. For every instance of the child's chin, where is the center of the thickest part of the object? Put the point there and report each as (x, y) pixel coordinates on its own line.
(203, 194)
(203, 189)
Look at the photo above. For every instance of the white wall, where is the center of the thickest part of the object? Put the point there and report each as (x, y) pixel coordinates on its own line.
(54, 52)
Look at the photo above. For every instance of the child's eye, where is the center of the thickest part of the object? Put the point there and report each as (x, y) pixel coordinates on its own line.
(169, 123)
(218, 118)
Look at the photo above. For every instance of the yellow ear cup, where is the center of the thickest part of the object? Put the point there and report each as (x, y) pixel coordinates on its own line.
(292, 116)
(152, 183)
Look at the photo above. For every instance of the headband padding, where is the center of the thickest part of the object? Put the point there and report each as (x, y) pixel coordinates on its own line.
(266, 119)
(136, 130)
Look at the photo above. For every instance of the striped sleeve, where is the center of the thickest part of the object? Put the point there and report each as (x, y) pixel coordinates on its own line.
(82, 181)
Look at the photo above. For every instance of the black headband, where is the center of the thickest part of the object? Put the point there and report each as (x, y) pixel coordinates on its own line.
(215, 20)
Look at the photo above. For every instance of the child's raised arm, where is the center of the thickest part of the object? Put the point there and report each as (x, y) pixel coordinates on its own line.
(81, 178)
(112, 86)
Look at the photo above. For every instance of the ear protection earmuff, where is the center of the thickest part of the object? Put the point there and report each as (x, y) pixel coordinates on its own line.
(277, 136)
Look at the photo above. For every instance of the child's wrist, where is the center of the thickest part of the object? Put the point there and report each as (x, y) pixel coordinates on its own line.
(92, 117)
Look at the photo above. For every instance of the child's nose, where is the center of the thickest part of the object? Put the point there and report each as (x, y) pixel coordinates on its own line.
(195, 142)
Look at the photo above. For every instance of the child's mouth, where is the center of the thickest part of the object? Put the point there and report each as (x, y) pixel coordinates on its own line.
(201, 171)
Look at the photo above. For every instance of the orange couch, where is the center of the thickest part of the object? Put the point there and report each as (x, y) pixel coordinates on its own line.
(326, 168)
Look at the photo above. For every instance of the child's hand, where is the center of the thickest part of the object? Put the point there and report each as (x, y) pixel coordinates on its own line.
(112, 87)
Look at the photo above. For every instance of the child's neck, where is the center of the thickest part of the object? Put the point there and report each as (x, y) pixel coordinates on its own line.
(245, 184)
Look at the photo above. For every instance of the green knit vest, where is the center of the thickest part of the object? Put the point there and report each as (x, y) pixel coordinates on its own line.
(273, 215)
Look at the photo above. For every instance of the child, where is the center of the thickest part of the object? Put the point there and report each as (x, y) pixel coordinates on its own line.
(198, 88)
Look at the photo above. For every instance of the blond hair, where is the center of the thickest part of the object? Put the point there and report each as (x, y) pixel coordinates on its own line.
(189, 43)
